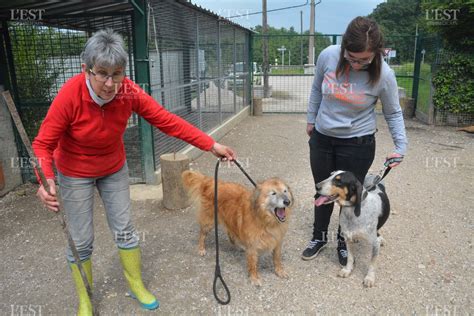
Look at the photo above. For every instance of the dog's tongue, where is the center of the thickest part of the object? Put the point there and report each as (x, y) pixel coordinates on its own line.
(321, 200)
(280, 212)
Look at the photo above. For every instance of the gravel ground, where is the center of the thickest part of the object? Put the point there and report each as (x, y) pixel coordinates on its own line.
(424, 268)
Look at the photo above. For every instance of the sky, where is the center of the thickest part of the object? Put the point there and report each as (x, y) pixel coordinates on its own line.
(332, 16)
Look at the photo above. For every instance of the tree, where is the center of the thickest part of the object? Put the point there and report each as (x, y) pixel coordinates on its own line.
(453, 21)
(292, 42)
(398, 19)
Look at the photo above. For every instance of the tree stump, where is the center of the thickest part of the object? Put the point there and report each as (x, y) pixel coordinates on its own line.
(172, 166)
(257, 107)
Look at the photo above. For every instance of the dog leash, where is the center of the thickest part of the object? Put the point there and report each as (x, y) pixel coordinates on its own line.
(36, 165)
(245, 173)
(385, 170)
(217, 273)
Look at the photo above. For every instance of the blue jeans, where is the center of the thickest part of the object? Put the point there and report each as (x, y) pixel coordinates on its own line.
(77, 196)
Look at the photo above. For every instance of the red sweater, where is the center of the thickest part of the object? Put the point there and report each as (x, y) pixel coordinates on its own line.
(86, 140)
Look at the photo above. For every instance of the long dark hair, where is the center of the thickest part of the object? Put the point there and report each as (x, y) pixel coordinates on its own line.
(362, 34)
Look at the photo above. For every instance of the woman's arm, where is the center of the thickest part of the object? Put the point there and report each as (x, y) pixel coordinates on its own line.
(393, 113)
(53, 126)
(316, 94)
(175, 126)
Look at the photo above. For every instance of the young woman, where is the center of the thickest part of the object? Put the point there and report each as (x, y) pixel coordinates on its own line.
(83, 132)
(349, 79)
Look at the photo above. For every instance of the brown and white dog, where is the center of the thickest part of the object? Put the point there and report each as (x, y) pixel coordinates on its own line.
(256, 220)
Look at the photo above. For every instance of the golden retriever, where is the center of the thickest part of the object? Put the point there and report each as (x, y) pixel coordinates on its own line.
(256, 220)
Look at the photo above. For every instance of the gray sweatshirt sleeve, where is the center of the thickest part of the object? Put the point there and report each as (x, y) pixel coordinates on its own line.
(316, 95)
(393, 113)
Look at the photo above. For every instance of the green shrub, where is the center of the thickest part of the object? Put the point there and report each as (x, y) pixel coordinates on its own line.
(454, 84)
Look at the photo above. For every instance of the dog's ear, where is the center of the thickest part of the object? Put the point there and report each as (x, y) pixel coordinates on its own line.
(357, 189)
(256, 196)
(291, 195)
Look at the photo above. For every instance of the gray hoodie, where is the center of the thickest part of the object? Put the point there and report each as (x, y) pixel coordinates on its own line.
(344, 107)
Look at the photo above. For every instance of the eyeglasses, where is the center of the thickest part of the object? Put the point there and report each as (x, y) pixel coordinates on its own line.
(102, 76)
(362, 62)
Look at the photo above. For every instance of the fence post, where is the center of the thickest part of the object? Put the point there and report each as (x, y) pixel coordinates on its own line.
(250, 69)
(198, 74)
(142, 78)
(334, 39)
(417, 71)
(234, 61)
(219, 71)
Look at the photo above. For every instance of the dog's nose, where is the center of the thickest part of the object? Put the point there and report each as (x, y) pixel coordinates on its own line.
(286, 202)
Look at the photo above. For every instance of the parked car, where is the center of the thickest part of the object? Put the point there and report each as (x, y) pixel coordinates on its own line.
(240, 74)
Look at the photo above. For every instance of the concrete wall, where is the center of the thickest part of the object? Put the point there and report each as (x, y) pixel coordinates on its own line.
(8, 150)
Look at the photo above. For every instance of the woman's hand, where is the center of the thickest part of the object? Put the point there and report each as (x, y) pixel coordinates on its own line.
(395, 163)
(221, 151)
(309, 129)
(50, 201)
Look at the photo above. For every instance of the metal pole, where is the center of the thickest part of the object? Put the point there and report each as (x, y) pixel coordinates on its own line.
(265, 66)
(311, 35)
(416, 71)
(301, 39)
(234, 59)
(198, 74)
(142, 78)
(219, 70)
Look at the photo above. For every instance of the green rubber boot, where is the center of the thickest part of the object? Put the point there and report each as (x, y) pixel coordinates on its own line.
(131, 262)
(85, 305)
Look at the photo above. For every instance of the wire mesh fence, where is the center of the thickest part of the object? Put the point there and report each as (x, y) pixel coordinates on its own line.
(441, 59)
(290, 77)
(199, 68)
(42, 56)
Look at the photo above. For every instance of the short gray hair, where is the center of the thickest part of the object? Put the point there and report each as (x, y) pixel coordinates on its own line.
(105, 49)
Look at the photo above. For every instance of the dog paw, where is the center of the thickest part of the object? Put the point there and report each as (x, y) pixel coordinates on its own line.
(381, 241)
(256, 282)
(369, 280)
(282, 274)
(344, 273)
(202, 252)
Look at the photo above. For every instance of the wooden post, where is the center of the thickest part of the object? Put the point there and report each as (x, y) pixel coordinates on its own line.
(174, 194)
(257, 107)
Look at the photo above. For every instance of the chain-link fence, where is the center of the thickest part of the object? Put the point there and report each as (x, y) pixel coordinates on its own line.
(42, 56)
(290, 76)
(432, 58)
(198, 66)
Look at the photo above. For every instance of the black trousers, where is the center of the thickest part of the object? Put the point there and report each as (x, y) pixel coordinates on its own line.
(328, 154)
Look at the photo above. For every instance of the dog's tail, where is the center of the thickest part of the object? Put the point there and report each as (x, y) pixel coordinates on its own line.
(192, 182)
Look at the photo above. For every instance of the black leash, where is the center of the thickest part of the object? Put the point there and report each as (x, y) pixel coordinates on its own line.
(217, 273)
(385, 171)
(245, 173)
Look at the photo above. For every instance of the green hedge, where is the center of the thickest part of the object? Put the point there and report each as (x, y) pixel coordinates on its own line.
(454, 84)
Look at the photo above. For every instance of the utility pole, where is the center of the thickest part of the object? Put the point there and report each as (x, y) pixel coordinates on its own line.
(311, 35)
(265, 50)
(301, 38)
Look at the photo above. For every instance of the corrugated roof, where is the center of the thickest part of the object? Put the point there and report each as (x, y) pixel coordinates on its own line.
(53, 9)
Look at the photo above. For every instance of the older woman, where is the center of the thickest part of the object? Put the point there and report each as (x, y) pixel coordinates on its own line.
(83, 133)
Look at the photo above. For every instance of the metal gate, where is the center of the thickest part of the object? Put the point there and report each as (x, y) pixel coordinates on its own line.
(290, 78)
